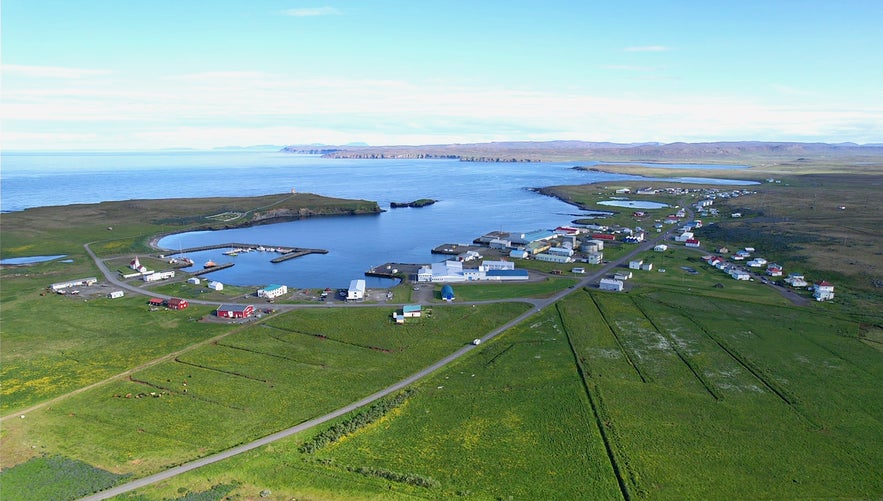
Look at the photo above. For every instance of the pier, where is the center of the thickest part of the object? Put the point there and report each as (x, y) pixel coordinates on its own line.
(393, 270)
(287, 252)
(211, 269)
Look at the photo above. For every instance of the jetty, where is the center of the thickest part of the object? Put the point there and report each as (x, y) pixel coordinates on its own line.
(297, 252)
(211, 269)
(393, 270)
(285, 251)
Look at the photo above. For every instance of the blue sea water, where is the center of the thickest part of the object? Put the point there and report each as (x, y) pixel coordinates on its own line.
(473, 199)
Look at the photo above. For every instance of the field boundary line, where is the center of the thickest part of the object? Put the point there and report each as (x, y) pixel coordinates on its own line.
(689, 363)
(644, 379)
(599, 421)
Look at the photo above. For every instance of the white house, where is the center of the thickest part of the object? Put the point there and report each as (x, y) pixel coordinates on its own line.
(272, 291)
(740, 274)
(636, 264)
(660, 248)
(647, 266)
(609, 284)
(356, 292)
(823, 291)
(216, 286)
(595, 257)
(159, 275)
(194, 280)
(115, 294)
(518, 254)
(622, 276)
(683, 237)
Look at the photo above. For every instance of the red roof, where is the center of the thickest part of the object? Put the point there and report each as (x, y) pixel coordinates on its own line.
(156, 300)
(692, 241)
(824, 284)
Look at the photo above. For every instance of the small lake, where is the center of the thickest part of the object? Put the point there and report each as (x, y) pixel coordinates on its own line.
(633, 204)
(30, 259)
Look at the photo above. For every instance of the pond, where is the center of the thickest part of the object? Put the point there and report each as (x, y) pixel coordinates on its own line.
(29, 259)
(634, 204)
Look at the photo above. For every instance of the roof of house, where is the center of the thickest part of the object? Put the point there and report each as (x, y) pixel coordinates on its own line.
(235, 307)
(507, 273)
(411, 307)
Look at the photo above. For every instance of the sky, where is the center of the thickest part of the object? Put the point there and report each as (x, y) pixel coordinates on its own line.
(111, 75)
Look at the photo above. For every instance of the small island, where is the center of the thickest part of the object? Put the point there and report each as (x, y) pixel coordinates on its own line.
(423, 202)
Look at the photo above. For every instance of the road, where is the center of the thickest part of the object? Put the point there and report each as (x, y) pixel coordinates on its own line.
(538, 305)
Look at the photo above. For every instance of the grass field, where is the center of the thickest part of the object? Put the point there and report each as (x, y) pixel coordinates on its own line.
(264, 378)
(656, 395)
(687, 386)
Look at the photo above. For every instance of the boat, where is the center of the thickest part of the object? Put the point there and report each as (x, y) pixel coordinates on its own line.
(209, 264)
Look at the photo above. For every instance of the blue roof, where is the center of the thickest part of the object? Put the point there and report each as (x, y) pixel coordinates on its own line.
(410, 307)
(507, 273)
(447, 291)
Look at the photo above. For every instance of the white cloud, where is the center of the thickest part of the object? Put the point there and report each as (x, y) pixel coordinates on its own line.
(51, 71)
(312, 12)
(250, 107)
(647, 48)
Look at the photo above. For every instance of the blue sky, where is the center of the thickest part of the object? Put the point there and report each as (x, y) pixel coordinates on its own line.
(90, 74)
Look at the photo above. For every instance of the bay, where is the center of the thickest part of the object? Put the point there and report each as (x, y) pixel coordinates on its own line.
(473, 199)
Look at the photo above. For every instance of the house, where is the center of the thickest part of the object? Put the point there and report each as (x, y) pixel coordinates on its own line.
(578, 270)
(115, 294)
(609, 284)
(272, 291)
(660, 248)
(597, 243)
(447, 293)
(412, 310)
(194, 280)
(73, 283)
(740, 274)
(356, 291)
(159, 275)
(823, 291)
(694, 243)
(595, 257)
(177, 303)
(757, 262)
(636, 264)
(647, 266)
(552, 258)
(215, 285)
(774, 270)
(136, 265)
(235, 311)
(683, 237)
(156, 302)
(518, 254)
(622, 276)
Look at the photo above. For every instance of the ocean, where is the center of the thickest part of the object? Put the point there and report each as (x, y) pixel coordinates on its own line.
(473, 199)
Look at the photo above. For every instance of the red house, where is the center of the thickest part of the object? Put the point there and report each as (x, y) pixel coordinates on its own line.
(155, 301)
(603, 236)
(234, 311)
(177, 303)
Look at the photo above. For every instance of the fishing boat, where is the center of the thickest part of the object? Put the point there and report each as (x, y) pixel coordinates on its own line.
(209, 264)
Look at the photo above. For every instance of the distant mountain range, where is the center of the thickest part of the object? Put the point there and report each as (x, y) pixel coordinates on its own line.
(529, 151)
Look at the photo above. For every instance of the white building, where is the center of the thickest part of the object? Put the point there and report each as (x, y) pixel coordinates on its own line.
(609, 284)
(660, 248)
(740, 274)
(636, 264)
(194, 280)
(115, 294)
(356, 292)
(595, 257)
(272, 291)
(647, 266)
(498, 265)
(159, 275)
(216, 286)
(73, 283)
(552, 258)
(823, 291)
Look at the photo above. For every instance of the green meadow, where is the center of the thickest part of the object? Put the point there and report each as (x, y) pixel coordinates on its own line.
(610, 396)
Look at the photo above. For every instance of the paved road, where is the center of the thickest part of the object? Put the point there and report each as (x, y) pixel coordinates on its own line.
(539, 304)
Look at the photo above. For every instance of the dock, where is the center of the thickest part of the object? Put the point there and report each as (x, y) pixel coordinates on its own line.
(285, 251)
(296, 252)
(393, 270)
(211, 269)
(457, 249)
